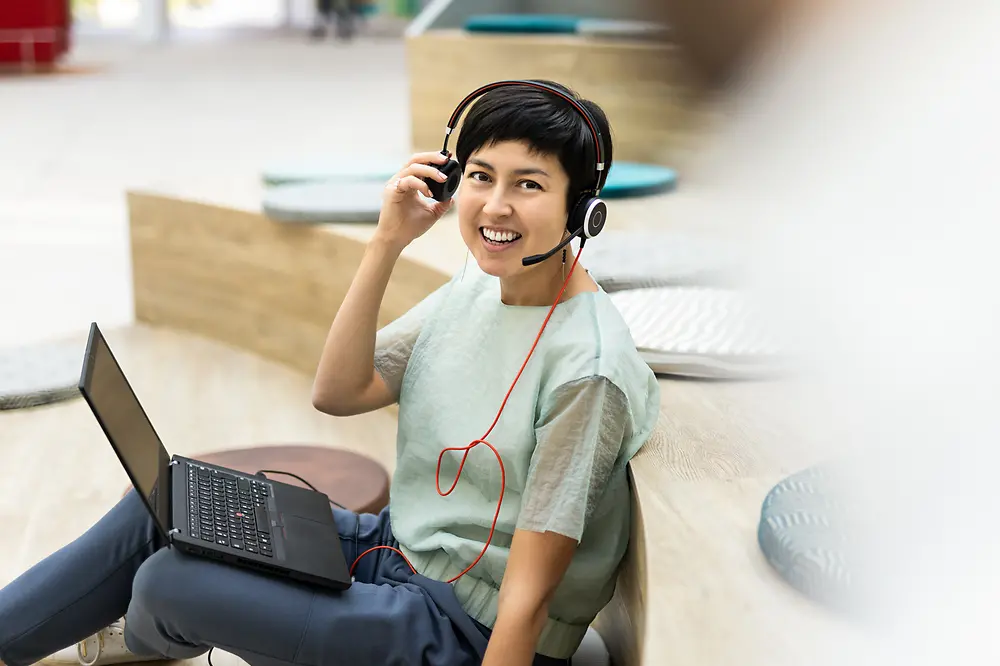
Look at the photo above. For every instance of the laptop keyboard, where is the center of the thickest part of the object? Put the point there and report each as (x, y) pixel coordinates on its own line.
(229, 510)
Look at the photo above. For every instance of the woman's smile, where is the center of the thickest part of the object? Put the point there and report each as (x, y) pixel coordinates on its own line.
(498, 239)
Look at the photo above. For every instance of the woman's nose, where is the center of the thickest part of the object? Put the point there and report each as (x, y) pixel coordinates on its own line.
(497, 204)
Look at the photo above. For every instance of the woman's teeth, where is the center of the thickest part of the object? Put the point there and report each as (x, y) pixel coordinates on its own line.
(500, 236)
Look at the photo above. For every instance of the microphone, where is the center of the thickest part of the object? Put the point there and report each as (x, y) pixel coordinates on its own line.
(538, 258)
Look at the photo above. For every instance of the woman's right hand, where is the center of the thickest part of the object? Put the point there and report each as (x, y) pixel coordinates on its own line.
(405, 215)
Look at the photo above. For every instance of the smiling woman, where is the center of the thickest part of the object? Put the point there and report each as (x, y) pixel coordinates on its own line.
(530, 538)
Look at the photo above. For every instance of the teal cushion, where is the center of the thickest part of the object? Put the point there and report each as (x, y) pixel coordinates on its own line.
(325, 202)
(534, 23)
(803, 535)
(331, 167)
(631, 179)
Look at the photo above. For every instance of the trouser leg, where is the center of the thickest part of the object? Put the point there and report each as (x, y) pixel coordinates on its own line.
(183, 605)
(79, 589)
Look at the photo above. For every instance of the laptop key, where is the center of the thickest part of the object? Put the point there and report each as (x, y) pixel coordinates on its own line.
(263, 525)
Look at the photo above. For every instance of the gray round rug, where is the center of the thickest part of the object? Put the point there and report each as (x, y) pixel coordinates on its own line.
(39, 374)
(325, 202)
(620, 260)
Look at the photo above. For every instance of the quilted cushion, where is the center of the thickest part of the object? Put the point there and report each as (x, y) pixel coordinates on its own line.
(633, 179)
(39, 374)
(521, 23)
(803, 535)
(700, 332)
(620, 260)
(325, 202)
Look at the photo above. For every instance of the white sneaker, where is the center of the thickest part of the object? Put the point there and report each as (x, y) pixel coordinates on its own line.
(105, 647)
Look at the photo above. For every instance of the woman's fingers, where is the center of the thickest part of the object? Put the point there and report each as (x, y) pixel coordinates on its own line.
(424, 171)
(412, 183)
(442, 207)
(428, 158)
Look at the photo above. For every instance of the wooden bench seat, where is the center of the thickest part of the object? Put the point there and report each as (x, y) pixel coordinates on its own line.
(695, 590)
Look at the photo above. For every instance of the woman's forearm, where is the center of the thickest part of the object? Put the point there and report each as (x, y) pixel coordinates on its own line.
(514, 637)
(346, 367)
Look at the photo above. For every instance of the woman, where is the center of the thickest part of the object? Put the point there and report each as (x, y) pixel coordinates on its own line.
(503, 556)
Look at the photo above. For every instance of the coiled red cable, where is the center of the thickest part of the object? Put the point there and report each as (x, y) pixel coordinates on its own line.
(474, 444)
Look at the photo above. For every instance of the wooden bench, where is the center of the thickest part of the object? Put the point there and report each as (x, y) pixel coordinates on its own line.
(695, 589)
(659, 115)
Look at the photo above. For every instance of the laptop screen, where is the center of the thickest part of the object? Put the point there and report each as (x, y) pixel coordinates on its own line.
(126, 426)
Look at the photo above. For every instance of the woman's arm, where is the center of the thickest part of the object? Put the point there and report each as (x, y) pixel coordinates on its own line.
(536, 565)
(346, 381)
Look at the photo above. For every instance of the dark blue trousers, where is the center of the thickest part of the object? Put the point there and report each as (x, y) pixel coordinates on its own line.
(178, 606)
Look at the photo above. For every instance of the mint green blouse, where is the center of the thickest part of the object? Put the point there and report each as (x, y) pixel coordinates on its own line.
(583, 407)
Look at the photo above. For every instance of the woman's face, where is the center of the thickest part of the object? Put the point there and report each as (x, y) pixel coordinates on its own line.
(511, 204)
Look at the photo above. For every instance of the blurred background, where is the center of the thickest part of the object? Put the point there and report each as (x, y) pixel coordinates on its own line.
(800, 240)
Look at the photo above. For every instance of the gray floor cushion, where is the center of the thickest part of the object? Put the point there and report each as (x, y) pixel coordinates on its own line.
(620, 260)
(803, 534)
(624, 29)
(702, 332)
(39, 374)
(325, 202)
(339, 168)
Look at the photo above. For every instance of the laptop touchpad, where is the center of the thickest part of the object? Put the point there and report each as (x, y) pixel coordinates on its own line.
(308, 535)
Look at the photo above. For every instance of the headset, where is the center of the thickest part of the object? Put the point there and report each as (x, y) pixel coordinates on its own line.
(587, 217)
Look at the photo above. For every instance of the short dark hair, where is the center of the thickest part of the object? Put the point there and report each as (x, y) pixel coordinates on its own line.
(548, 124)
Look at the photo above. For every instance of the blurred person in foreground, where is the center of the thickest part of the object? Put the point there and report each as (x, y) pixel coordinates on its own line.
(857, 160)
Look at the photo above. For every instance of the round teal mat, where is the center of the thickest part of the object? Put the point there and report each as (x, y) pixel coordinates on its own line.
(521, 23)
(632, 179)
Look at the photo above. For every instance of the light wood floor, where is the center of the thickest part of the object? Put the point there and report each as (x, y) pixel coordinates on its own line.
(200, 396)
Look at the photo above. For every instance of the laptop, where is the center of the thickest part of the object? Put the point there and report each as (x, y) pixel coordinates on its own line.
(207, 510)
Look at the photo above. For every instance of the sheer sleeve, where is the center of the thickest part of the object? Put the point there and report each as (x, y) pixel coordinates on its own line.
(578, 439)
(394, 341)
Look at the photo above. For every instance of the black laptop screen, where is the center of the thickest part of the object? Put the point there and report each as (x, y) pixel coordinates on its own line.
(126, 425)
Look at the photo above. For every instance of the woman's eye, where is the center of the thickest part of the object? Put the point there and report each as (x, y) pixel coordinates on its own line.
(531, 185)
(480, 176)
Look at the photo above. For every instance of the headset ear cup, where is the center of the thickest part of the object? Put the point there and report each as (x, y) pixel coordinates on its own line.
(446, 190)
(595, 217)
(589, 215)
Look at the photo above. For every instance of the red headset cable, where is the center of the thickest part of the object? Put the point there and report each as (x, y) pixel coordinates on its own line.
(503, 473)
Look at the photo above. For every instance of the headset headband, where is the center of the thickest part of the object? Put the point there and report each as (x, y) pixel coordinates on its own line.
(591, 123)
